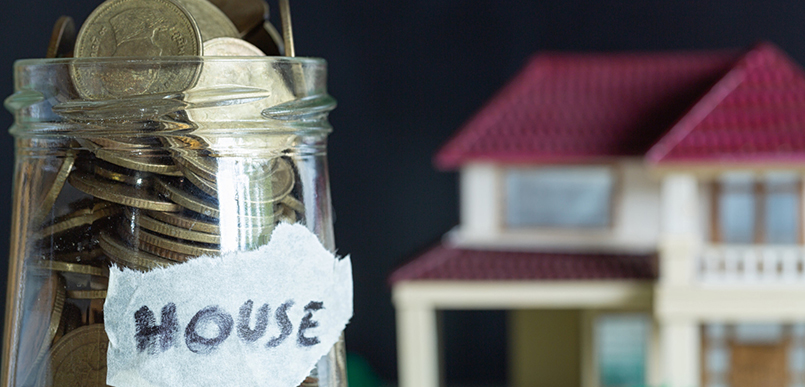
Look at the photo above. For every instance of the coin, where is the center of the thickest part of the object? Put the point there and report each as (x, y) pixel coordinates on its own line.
(40, 324)
(205, 167)
(187, 221)
(70, 321)
(77, 256)
(120, 193)
(136, 28)
(141, 219)
(123, 175)
(161, 164)
(212, 23)
(179, 246)
(251, 86)
(187, 199)
(209, 187)
(245, 14)
(86, 294)
(67, 267)
(293, 203)
(286, 214)
(62, 39)
(126, 143)
(123, 255)
(78, 218)
(230, 47)
(79, 358)
(55, 182)
(164, 253)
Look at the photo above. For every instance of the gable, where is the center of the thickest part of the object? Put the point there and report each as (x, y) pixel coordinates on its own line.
(578, 107)
(756, 113)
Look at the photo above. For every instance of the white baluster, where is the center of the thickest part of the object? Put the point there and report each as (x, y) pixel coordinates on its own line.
(770, 256)
(789, 264)
(731, 259)
(750, 261)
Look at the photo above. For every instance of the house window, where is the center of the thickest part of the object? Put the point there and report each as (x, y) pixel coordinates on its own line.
(758, 210)
(621, 345)
(559, 197)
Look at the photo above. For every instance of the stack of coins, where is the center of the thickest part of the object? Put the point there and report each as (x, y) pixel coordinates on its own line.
(150, 199)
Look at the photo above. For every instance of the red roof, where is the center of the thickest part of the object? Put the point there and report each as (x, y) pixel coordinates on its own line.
(719, 107)
(447, 263)
(575, 107)
(755, 113)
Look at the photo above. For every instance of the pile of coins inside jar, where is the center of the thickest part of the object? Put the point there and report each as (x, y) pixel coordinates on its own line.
(144, 201)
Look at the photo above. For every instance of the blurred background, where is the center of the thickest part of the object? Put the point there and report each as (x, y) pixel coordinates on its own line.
(406, 75)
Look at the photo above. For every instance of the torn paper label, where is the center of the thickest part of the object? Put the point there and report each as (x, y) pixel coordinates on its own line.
(257, 318)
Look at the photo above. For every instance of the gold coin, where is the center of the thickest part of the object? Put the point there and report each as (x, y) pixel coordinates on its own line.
(287, 214)
(230, 47)
(78, 359)
(162, 165)
(186, 199)
(183, 247)
(263, 183)
(279, 180)
(55, 183)
(164, 253)
(151, 224)
(87, 255)
(123, 255)
(124, 143)
(186, 221)
(62, 39)
(41, 323)
(70, 321)
(121, 193)
(205, 167)
(86, 294)
(81, 217)
(212, 23)
(67, 267)
(124, 175)
(293, 203)
(136, 28)
(209, 187)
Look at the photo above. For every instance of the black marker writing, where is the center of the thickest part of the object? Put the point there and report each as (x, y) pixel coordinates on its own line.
(284, 323)
(208, 315)
(152, 337)
(307, 322)
(244, 317)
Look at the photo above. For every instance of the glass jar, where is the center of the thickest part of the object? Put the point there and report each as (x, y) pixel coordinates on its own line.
(146, 163)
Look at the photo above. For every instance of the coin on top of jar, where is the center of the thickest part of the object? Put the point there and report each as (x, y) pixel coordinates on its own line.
(62, 39)
(212, 22)
(136, 28)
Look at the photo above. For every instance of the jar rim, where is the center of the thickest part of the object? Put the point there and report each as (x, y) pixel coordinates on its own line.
(170, 59)
(229, 92)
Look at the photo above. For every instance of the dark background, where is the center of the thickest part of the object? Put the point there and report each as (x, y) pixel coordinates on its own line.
(407, 74)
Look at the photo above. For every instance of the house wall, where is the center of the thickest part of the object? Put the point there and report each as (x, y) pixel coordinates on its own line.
(635, 214)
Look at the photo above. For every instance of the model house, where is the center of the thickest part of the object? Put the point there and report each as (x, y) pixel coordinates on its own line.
(640, 214)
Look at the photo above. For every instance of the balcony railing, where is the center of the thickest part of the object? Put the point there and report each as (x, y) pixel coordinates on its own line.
(752, 263)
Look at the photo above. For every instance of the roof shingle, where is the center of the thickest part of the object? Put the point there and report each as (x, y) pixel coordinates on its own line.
(448, 263)
(576, 107)
(756, 113)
